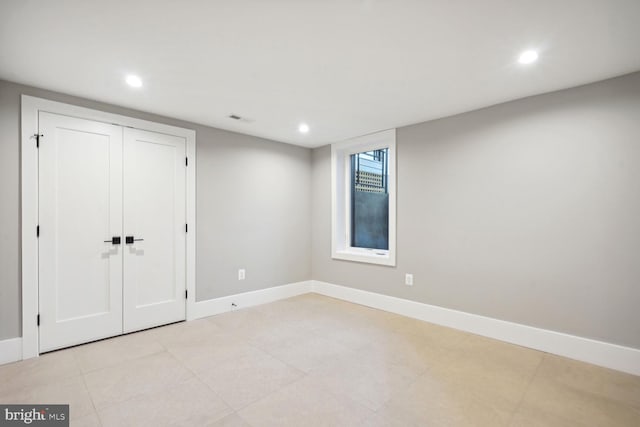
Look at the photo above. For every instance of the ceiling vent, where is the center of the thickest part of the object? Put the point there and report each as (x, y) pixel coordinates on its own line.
(240, 118)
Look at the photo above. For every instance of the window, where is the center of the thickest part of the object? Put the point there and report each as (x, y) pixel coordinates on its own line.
(369, 199)
(363, 198)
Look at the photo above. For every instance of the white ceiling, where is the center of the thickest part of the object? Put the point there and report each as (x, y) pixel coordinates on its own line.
(346, 68)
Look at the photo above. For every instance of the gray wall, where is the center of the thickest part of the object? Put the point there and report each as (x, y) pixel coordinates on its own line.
(252, 207)
(9, 214)
(527, 211)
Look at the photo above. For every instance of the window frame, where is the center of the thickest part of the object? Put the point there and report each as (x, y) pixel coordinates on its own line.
(341, 248)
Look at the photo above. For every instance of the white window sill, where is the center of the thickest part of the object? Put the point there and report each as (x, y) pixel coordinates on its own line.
(369, 256)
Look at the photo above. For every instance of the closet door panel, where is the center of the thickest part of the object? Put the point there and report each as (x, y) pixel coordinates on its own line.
(154, 217)
(80, 206)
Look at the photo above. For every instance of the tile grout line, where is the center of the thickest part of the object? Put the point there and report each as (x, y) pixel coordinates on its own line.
(234, 410)
(197, 378)
(526, 390)
(74, 355)
(95, 410)
(302, 377)
(113, 404)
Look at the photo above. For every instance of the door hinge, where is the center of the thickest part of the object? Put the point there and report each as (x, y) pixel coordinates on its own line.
(38, 319)
(186, 161)
(37, 231)
(37, 136)
(186, 294)
(186, 228)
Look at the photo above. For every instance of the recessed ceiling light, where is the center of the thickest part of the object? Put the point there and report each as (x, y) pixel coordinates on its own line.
(134, 81)
(303, 128)
(528, 57)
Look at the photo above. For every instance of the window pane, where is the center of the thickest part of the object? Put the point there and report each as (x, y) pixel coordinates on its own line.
(370, 200)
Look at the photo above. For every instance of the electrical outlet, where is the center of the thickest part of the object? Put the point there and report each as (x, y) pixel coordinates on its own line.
(241, 274)
(408, 279)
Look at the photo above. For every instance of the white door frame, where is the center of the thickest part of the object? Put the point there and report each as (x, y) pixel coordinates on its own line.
(29, 192)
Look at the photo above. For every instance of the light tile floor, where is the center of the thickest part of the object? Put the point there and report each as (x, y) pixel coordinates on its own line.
(316, 361)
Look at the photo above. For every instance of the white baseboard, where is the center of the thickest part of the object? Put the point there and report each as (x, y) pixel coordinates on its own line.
(10, 350)
(625, 359)
(599, 353)
(247, 299)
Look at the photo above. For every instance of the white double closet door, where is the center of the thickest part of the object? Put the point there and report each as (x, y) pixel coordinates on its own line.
(112, 239)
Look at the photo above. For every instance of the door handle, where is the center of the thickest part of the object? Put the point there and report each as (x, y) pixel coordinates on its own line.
(115, 240)
(129, 240)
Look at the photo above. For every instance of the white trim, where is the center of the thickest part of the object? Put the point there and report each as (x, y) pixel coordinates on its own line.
(625, 359)
(340, 198)
(29, 126)
(191, 221)
(10, 350)
(248, 299)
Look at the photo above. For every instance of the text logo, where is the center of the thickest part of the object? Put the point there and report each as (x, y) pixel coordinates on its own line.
(35, 415)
